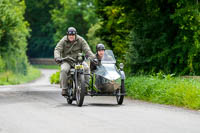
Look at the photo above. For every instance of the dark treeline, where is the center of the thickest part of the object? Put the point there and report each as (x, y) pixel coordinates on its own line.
(49, 20)
(147, 35)
(154, 35)
(41, 43)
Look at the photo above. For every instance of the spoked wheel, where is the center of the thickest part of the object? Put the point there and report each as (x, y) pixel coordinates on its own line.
(120, 93)
(70, 91)
(80, 90)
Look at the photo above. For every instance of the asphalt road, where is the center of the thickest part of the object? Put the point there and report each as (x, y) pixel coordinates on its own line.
(38, 107)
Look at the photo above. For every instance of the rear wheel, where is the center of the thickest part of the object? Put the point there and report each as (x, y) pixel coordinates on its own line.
(80, 90)
(120, 93)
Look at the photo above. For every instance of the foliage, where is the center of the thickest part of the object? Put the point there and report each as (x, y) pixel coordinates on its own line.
(7, 78)
(165, 89)
(187, 17)
(55, 78)
(13, 33)
(170, 48)
(49, 20)
(93, 38)
(41, 43)
(2, 65)
(154, 35)
(114, 29)
(77, 13)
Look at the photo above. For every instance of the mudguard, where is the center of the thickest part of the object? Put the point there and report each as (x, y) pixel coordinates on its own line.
(122, 75)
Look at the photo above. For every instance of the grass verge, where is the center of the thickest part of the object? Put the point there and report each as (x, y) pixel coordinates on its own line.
(9, 78)
(165, 90)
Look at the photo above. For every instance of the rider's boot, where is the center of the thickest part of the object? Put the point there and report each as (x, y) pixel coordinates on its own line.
(65, 92)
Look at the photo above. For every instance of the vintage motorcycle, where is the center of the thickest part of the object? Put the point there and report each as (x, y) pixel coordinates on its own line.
(76, 80)
(106, 80)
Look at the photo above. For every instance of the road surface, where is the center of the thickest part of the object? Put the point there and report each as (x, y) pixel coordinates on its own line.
(38, 107)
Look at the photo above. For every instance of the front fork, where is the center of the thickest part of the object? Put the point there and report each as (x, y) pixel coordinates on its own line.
(76, 74)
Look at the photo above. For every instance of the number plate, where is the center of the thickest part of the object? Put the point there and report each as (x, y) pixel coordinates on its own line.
(79, 67)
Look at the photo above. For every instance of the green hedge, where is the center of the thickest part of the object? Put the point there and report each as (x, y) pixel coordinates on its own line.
(14, 31)
(10, 78)
(165, 90)
(55, 78)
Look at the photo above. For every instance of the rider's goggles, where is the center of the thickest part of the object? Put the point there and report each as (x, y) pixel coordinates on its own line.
(71, 32)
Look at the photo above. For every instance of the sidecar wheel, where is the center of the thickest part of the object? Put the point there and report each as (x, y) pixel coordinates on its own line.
(120, 98)
(80, 90)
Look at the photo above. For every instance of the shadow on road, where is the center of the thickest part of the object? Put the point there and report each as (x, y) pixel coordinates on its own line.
(103, 105)
(90, 104)
(66, 105)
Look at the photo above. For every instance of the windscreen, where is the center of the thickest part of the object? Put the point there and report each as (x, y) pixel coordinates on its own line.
(107, 69)
(108, 57)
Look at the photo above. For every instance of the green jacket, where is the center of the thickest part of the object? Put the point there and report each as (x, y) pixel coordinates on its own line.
(64, 48)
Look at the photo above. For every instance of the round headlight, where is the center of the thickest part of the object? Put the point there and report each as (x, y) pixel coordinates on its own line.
(121, 65)
(80, 58)
(80, 54)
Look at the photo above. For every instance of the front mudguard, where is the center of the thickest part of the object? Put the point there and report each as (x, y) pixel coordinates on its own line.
(122, 75)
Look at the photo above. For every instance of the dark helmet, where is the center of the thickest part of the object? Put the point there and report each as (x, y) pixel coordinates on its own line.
(100, 46)
(71, 31)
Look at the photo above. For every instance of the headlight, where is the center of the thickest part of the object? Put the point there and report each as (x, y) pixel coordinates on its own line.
(80, 54)
(80, 58)
(121, 66)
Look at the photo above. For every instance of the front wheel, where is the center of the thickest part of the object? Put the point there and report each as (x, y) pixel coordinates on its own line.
(71, 86)
(80, 89)
(120, 93)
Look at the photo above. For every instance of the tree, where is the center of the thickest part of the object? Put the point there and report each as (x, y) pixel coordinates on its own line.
(155, 35)
(165, 37)
(77, 13)
(114, 27)
(13, 34)
(41, 43)
(93, 38)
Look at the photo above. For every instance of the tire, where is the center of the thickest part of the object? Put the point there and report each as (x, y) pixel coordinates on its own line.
(120, 98)
(70, 98)
(80, 89)
(69, 101)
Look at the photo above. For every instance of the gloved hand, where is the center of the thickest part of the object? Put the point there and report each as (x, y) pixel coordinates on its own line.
(95, 61)
(58, 60)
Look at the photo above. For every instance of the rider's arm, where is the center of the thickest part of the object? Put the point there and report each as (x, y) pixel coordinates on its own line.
(59, 48)
(86, 49)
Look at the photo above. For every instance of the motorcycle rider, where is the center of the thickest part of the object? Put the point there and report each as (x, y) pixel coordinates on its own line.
(70, 45)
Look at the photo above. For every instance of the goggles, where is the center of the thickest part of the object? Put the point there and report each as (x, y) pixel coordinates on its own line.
(71, 33)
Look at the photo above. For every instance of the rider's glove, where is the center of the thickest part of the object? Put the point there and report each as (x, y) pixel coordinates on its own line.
(58, 60)
(95, 62)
